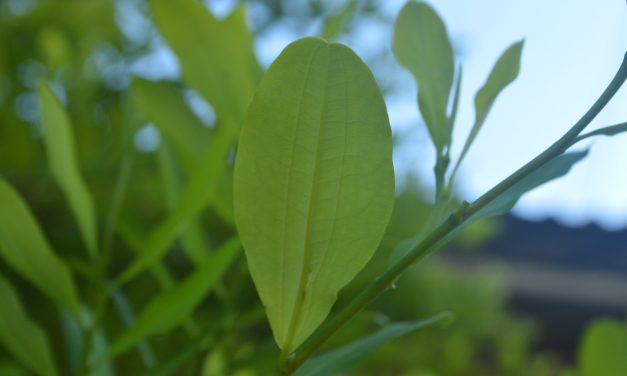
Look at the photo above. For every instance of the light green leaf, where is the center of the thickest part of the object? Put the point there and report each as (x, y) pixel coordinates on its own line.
(314, 183)
(603, 349)
(59, 143)
(502, 204)
(345, 358)
(172, 307)
(504, 73)
(196, 196)
(334, 24)
(26, 250)
(216, 57)
(163, 104)
(23, 338)
(421, 44)
(612, 130)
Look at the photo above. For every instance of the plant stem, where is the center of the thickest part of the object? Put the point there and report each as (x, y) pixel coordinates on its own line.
(463, 213)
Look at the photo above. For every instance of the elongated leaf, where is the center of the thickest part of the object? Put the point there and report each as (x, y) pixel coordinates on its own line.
(23, 338)
(421, 44)
(612, 130)
(335, 24)
(199, 193)
(314, 183)
(171, 307)
(603, 349)
(557, 167)
(163, 104)
(216, 57)
(345, 358)
(504, 73)
(26, 250)
(502, 204)
(64, 166)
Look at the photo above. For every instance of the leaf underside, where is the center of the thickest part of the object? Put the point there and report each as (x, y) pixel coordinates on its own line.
(313, 184)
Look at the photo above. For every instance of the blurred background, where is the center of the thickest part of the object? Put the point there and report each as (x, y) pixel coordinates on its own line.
(523, 287)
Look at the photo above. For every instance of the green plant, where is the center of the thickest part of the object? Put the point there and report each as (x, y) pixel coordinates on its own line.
(297, 164)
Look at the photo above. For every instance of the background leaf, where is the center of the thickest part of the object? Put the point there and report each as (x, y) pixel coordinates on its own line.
(504, 73)
(200, 192)
(347, 357)
(421, 44)
(603, 349)
(64, 165)
(173, 306)
(216, 57)
(23, 338)
(25, 249)
(335, 23)
(314, 183)
(502, 204)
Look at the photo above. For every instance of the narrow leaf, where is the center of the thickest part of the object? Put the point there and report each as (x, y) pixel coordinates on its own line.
(504, 73)
(335, 24)
(172, 307)
(556, 168)
(216, 57)
(314, 183)
(195, 197)
(163, 104)
(612, 130)
(23, 338)
(59, 143)
(603, 349)
(421, 44)
(345, 358)
(26, 250)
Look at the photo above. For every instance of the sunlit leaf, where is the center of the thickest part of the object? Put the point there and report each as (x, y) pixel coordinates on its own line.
(314, 183)
(196, 196)
(504, 72)
(23, 338)
(172, 307)
(26, 250)
(345, 358)
(502, 204)
(335, 24)
(216, 57)
(64, 165)
(603, 349)
(421, 44)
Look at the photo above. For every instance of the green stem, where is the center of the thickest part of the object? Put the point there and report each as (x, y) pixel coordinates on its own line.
(465, 211)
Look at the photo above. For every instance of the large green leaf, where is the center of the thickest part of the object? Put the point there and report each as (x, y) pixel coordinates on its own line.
(172, 307)
(504, 72)
(345, 358)
(503, 203)
(216, 56)
(64, 165)
(200, 192)
(314, 183)
(23, 338)
(26, 250)
(603, 349)
(421, 44)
